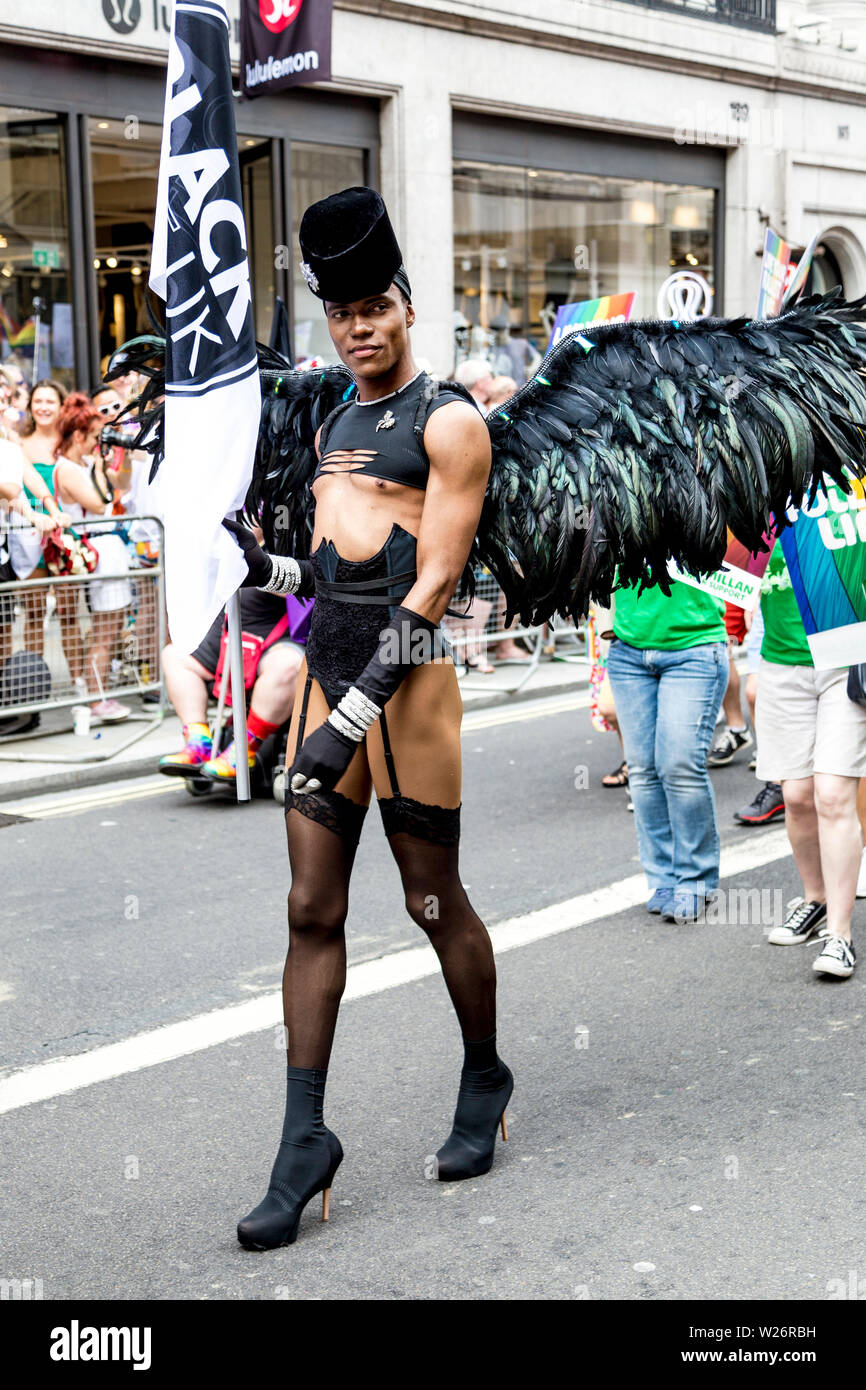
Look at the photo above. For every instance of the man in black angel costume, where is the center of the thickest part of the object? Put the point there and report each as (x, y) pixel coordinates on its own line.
(378, 490)
(398, 494)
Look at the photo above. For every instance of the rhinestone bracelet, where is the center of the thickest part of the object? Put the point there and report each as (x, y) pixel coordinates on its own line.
(285, 576)
(354, 714)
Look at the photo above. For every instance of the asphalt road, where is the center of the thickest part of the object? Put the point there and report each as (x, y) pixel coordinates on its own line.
(688, 1119)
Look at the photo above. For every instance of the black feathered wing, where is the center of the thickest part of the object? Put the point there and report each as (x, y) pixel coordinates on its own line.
(637, 443)
(294, 405)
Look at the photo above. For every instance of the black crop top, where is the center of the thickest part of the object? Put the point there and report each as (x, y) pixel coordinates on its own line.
(385, 438)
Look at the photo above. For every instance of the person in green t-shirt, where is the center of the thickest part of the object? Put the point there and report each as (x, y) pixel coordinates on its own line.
(668, 669)
(811, 739)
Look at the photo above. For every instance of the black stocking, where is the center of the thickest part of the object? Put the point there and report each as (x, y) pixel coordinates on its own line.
(323, 831)
(323, 838)
(437, 901)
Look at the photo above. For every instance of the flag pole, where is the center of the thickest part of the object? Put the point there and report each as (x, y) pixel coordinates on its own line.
(239, 706)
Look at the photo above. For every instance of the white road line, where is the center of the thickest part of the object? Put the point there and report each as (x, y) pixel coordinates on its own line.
(518, 714)
(78, 807)
(61, 1075)
(76, 802)
(79, 799)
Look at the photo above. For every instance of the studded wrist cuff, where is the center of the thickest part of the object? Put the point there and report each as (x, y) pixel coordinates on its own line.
(285, 576)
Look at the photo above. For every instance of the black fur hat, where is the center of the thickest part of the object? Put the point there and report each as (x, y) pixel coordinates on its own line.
(349, 248)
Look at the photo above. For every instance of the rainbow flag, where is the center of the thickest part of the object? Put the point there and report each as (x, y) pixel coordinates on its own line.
(825, 551)
(570, 318)
(8, 326)
(774, 273)
(26, 335)
(799, 273)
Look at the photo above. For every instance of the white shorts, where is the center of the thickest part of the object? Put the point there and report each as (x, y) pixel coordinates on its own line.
(108, 595)
(25, 549)
(805, 723)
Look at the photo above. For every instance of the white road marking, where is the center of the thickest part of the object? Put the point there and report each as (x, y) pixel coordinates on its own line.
(62, 1075)
(77, 801)
(519, 713)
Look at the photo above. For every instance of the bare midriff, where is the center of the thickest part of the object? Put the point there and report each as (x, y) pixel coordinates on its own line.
(358, 512)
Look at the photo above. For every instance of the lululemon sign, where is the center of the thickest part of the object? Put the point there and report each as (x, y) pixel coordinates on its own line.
(284, 43)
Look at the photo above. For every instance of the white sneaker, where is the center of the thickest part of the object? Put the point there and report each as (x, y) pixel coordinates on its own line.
(861, 877)
(802, 920)
(110, 711)
(837, 958)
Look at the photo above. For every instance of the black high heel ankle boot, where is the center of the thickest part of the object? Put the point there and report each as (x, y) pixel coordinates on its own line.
(308, 1157)
(486, 1085)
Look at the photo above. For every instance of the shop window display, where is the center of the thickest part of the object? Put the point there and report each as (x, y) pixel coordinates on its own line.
(317, 171)
(35, 299)
(528, 240)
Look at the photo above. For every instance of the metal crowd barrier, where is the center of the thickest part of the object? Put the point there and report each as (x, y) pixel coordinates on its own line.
(61, 619)
(484, 630)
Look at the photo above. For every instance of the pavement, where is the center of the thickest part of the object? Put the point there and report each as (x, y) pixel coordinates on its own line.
(689, 1112)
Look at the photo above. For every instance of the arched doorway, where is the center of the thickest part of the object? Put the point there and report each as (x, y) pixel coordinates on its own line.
(840, 259)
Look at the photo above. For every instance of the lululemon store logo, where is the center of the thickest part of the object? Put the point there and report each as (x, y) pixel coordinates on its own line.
(123, 15)
(277, 15)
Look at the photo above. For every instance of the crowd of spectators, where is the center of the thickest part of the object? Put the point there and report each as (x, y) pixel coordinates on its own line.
(68, 478)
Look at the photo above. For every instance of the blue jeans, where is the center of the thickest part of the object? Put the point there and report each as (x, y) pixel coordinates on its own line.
(666, 705)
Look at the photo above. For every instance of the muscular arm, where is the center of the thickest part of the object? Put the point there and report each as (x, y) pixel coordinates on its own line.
(458, 447)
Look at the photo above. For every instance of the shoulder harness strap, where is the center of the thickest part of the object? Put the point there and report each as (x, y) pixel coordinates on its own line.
(429, 394)
(329, 420)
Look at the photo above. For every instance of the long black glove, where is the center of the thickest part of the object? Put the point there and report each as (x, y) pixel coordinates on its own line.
(408, 640)
(262, 567)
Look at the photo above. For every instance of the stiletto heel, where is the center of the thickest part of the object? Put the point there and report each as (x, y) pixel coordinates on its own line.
(275, 1221)
(481, 1105)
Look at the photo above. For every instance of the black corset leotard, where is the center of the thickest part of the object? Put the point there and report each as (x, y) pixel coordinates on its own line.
(380, 439)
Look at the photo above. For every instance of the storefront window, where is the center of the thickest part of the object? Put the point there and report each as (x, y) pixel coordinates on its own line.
(35, 301)
(124, 157)
(258, 195)
(317, 171)
(528, 240)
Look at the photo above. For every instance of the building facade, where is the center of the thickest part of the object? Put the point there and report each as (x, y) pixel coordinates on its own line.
(531, 154)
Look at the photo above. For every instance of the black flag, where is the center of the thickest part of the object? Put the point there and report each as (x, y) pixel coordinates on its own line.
(199, 266)
(284, 43)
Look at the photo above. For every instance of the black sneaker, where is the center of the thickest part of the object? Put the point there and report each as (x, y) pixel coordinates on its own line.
(769, 804)
(802, 921)
(727, 746)
(837, 958)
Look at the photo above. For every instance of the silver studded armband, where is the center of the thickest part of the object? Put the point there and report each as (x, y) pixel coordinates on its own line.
(285, 576)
